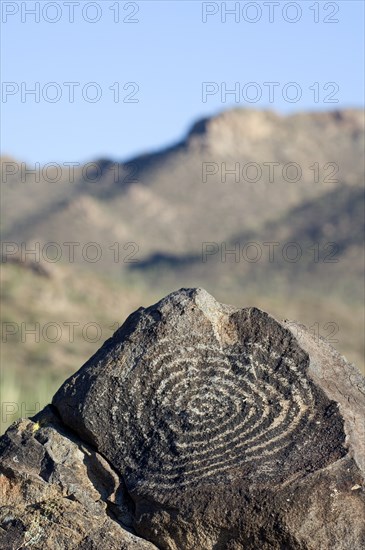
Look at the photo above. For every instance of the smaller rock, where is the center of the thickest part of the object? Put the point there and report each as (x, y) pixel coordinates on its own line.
(58, 493)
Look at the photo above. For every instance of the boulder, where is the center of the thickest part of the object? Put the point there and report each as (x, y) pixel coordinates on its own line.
(197, 426)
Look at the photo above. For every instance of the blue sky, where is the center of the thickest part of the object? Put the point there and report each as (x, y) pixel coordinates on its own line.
(162, 61)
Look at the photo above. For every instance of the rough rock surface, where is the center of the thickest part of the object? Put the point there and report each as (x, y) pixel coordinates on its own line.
(198, 426)
(58, 493)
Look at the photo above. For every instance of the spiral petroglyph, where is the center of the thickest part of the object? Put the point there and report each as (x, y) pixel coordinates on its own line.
(206, 411)
(216, 393)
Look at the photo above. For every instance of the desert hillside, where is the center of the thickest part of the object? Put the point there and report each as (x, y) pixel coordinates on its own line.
(185, 216)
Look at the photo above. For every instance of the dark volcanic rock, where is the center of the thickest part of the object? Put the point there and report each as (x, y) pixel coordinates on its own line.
(210, 427)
